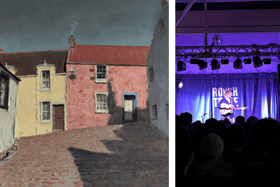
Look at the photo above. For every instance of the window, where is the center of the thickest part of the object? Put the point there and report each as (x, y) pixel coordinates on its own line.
(101, 73)
(101, 102)
(167, 111)
(161, 25)
(46, 111)
(154, 111)
(4, 93)
(151, 73)
(45, 80)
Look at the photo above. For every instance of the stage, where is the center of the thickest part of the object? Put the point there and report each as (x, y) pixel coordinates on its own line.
(200, 94)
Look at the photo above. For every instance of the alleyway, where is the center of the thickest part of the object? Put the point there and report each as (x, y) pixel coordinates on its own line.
(118, 155)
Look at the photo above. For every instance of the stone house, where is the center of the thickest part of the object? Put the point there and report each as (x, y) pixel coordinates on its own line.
(106, 85)
(41, 100)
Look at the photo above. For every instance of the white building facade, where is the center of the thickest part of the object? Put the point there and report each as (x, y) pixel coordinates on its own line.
(158, 73)
(8, 108)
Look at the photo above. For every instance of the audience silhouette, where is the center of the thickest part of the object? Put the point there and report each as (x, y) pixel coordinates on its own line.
(219, 154)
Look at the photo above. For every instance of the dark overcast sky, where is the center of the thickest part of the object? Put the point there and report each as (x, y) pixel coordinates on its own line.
(35, 25)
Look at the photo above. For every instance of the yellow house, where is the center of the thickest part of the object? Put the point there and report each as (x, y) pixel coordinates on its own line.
(41, 100)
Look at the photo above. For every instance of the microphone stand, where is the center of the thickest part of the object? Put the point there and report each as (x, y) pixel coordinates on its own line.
(202, 117)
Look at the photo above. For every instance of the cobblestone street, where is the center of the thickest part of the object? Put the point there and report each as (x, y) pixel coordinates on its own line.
(117, 155)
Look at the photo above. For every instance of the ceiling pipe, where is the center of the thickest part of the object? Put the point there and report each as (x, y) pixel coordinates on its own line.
(205, 25)
(185, 11)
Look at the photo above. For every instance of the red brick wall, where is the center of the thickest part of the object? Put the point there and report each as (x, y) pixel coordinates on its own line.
(121, 79)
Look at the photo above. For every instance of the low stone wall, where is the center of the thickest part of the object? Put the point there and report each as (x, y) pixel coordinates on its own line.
(10, 151)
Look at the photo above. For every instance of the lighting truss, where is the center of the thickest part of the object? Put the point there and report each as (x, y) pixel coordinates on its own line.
(226, 51)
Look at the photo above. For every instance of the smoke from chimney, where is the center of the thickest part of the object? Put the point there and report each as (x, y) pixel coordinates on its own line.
(73, 25)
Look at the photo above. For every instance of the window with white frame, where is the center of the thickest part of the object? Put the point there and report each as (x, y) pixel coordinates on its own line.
(101, 105)
(101, 73)
(4, 92)
(46, 110)
(45, 80)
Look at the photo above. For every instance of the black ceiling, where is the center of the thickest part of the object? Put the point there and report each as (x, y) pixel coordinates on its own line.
(231, 6)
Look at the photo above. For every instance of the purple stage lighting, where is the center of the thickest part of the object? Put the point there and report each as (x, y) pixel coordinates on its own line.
(193, 61)
(257, 61)
(225, 61)
(202, 64)
(247, 61)
(267, 60)
(215, 64)
(181, 66)
(237, 64)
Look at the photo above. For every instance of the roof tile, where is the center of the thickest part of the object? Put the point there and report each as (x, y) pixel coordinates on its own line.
(117, 55)
(26, 62)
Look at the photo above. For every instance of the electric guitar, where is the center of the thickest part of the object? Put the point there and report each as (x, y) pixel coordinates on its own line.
(226, 109)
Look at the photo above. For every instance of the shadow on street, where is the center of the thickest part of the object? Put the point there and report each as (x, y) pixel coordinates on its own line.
(140, 159)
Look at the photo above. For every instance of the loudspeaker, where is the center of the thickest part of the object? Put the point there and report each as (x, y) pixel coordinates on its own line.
(278, 67)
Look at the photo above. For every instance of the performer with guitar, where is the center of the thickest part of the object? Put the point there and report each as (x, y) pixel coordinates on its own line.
(227, 105)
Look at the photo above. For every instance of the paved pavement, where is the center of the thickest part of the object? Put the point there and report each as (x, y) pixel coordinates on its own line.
(116, 155)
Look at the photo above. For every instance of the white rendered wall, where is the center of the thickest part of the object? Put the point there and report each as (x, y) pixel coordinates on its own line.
(8, 118)
(158, 59)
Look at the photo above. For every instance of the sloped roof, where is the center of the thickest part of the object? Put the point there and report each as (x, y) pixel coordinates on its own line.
(115, 55)
(25, 62)
(10, 72)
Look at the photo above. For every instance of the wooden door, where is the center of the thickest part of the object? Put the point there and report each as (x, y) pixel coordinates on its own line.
(129, 108)
(58, 117)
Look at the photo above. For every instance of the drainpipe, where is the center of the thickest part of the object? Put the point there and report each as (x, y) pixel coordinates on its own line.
(185, 11)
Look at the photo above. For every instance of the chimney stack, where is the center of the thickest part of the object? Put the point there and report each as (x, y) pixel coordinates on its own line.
(71, 41)
(1, 50)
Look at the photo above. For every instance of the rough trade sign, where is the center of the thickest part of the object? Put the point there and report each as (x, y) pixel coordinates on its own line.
(218, 94)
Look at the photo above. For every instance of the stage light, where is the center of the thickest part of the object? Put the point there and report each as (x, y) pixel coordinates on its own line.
(193, 61)
(225, 61)
(202, 64)
(257, 61)
(217, 40)
(267, 60)
(181, 66)
(237, 64)
(215, 64)
(247, 61)
(180, 85)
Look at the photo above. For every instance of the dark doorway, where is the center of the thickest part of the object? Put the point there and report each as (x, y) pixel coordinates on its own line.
(58, 117)
(130, 113)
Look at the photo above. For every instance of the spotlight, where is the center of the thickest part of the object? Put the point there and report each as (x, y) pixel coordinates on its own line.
(215, 64)
(225, 61)
(247, 61)
(237, 64)
(180, 85)
(257, 61)
(181, 66)
(193, 61)
(202, 64)
(267, 60)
